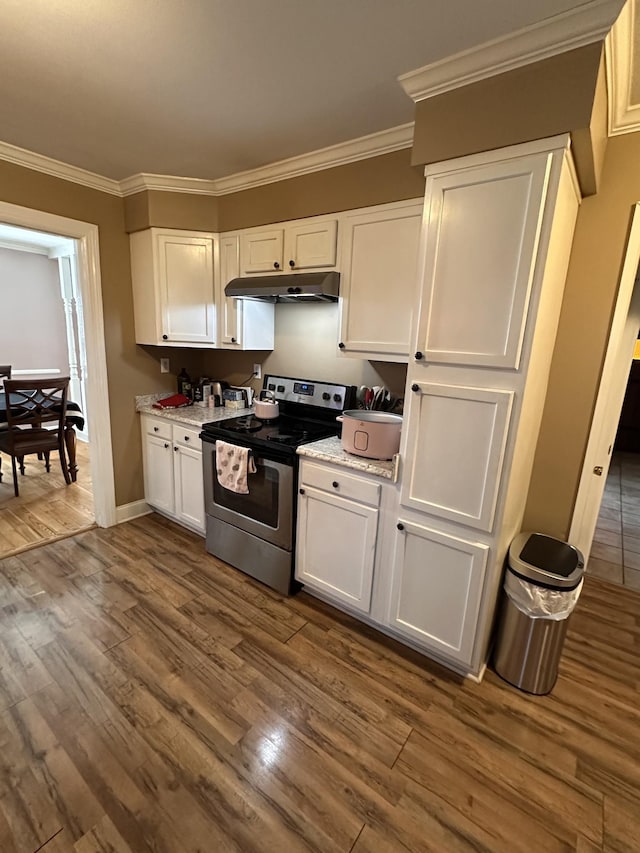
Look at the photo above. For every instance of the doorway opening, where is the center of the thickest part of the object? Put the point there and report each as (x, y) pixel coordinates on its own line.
(81, 284)
(606, 519)
(42, 336)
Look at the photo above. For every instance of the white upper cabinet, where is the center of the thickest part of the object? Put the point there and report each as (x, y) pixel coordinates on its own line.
(173, 287)
(310, 245)
(379, 280)
(261, 251)
(243, 323)
(476, 287)
(294, 246)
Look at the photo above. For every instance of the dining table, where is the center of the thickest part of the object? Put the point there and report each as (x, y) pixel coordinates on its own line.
(73, 418)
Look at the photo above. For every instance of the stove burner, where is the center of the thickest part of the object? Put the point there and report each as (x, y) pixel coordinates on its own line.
(244, 425)
(283, 438)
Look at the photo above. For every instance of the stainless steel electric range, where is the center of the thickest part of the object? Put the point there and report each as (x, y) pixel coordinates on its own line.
(255, 532)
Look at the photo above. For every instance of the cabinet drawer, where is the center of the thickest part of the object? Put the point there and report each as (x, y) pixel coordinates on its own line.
(335, 481)
(158, 427)
(187, 437)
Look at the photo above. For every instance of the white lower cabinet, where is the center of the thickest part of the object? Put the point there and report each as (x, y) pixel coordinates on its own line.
(336, 534)
(436, 589)
(173, 481)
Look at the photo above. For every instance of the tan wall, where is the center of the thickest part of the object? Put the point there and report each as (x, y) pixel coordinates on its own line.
(591, 290)
(131, 370)
(535, 101)
(387, 178)
(378, 180)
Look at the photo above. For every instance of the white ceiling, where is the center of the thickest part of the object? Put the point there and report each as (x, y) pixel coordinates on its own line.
(208, 88)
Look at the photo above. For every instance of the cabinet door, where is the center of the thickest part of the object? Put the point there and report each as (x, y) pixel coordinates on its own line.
(261, 251)
(311, 245)
(336, 547)
(186, 287)
(483, 228)
(230, 309)
(189, 487)
(379, 282)
(455, 447)
(436, 590)
(158, 473)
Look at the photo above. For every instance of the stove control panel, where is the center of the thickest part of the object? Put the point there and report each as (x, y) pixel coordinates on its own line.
(326, 395)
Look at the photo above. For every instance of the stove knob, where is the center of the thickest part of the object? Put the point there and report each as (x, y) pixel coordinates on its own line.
(337, 398)
(326, 395)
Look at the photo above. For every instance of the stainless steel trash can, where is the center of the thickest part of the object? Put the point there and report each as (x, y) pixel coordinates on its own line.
(542, 584)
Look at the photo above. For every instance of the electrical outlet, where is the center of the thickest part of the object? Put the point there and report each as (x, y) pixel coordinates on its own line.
(164, 365)
(257, 371)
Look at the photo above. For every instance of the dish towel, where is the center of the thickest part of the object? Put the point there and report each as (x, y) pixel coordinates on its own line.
(233, 463)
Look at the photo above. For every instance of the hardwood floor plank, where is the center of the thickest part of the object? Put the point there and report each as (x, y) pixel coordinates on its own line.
(75, 805)
(154, 699)
(102, 838)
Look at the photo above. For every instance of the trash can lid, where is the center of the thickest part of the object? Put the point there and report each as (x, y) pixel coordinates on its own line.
(546, 561)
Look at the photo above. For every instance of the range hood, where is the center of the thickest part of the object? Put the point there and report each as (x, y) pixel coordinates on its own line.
(296, 287)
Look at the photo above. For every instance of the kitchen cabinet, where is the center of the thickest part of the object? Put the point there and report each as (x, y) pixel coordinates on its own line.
(336, 534)
(244, 324)
(173, 481)
(173, 287)
(294, 246)
(435, 590)
(495, 250)
(378, 284)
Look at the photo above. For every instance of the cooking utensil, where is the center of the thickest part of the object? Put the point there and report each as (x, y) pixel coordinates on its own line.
(368, 398)
(266, 408)
(375, 435)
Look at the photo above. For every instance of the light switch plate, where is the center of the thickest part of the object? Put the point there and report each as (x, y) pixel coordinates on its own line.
(164, 365)
(257, 371)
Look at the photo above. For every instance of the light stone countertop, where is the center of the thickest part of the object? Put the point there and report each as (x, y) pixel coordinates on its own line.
(193, 416)
(330, 450)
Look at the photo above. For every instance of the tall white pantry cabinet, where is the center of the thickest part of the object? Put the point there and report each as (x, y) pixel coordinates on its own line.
(497, 233)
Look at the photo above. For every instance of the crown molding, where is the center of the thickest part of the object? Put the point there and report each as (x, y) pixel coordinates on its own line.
(362, 148)
(166, 183)
(624, 116)
(373, 145)
(575, 28)
(58, 169)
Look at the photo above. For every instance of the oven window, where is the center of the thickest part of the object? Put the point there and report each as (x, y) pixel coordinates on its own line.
(261, 504)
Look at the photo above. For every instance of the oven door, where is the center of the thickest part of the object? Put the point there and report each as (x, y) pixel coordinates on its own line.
(267, 511)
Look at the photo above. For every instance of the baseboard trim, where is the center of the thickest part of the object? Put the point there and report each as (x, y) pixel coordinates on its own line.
(135, 509)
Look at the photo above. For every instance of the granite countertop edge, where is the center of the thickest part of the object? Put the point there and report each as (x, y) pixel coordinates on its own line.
(190, 415)
(330, 450)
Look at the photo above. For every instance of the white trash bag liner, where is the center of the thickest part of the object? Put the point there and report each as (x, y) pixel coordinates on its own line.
(538, 602)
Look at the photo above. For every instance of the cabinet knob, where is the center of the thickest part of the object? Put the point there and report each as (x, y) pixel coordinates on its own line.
(302, 491)
(292, 264)
(400, 525)
(233, 341)
(335, 484)
(155, 429)
(276, 265)
(340, 345)
(186, 438)
(166, 444)
(175, 449)
(418, 356)
(415, 387)
(165, 337)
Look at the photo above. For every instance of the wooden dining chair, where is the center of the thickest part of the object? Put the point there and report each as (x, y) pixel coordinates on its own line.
(5, 372)
(32, 404)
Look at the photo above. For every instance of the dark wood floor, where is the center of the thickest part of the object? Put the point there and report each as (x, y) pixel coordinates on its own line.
(153, 699)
